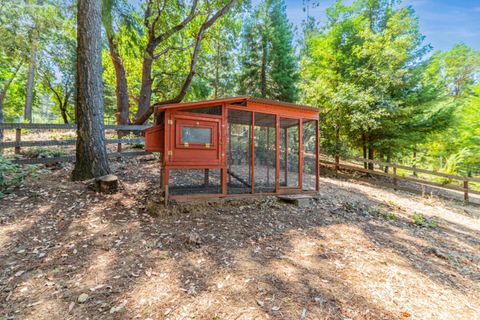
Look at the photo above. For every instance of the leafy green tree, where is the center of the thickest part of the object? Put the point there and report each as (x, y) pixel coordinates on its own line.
(363, 68)
(57, 69)
(119, 22)
(173, 31)
(455, 74)
(218, 64)
(268, 65)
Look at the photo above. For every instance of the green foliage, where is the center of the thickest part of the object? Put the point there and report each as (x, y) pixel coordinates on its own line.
(28, 29)
(364, 67)
(44, 152)
(456, 149)
(219, 61)
(422, 221)
(268, 65)
(389, 215)
(381, 212)
(11, 176)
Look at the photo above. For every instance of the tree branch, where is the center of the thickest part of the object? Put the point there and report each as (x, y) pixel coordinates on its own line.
(3, 93)
(193, 62)
(164, 51)
(167, 34)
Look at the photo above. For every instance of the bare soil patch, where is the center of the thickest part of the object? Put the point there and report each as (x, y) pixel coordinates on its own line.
(67, 252)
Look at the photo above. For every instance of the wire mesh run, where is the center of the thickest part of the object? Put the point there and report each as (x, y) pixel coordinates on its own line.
(265, 153)
(309, 135)
(195, 181)
(289, 150)
(239, 152)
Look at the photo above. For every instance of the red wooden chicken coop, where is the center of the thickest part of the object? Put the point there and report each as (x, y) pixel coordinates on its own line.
(236, 146)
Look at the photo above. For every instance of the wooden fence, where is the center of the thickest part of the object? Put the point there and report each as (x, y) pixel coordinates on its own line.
(18, 143)
(345, 164)
(395, 177)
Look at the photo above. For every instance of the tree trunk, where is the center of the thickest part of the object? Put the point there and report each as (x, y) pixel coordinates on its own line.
(29, 94)
(263, 80)
(91, 155)
(63, 112)
(144, 108)
(364, 147)
(146, 88)
(121, 88)
(370, 156)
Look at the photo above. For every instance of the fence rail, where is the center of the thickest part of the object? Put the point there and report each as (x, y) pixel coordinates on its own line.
(18, 143)
(466, 189)
(72, 158)
(50, 126)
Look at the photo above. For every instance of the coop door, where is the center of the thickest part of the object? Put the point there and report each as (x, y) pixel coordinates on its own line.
(196, 140)
(289, 153)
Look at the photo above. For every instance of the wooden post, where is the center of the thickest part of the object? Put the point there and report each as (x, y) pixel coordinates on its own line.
(224, 180)
(162, 184)
(166, 178)
(414, 161)
(18, 139)
(465, 190)
(300, 154)
(230, 155)
(225, 156)
(252, 151)
(119, 145)
(249, 160)
(268, 155)
(206, 177)
(337, 164)
(277, 153)
(286, 156)
(395, 176)
(317, 156)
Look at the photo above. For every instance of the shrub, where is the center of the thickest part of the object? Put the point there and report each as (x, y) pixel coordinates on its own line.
(389, 215)
(418, 219)
(11, 175)
(44, 152)
(422, 221)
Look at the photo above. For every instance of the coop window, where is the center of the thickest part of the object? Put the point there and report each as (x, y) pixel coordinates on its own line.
(196, 135)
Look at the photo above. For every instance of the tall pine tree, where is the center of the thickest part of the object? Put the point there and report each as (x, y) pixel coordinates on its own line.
(268, 64)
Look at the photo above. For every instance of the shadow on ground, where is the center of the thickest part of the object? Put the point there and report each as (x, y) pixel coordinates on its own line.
(348, 255)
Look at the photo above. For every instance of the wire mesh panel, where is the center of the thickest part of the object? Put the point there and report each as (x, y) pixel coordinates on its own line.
(239, 151)
(213, 110)
(195, 181)
(289, 130)
(265, 153)
(309, 129)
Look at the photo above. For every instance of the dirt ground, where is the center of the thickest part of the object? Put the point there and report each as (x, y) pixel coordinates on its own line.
(355, 253)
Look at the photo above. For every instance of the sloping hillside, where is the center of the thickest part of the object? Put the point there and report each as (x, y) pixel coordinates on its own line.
(358, 252)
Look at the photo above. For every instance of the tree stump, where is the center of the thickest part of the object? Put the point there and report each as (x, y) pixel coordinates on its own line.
(106, 184)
